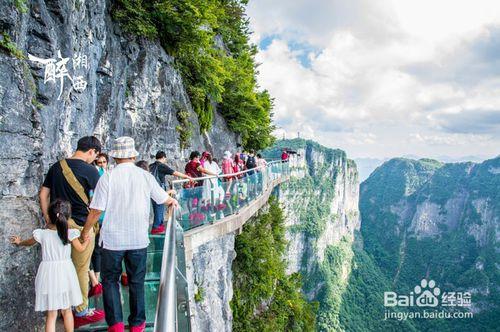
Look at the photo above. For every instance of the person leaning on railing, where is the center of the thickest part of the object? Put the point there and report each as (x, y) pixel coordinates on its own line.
(192, 192)
(125, 194)
(159, 169)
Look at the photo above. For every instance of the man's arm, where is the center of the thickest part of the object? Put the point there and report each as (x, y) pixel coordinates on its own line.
(97, 205)
(44, 194)
(92, 218)
(205, 171)
(44, 202)
(181, 175)
(166, 170)
(160, 196)
(172, 202)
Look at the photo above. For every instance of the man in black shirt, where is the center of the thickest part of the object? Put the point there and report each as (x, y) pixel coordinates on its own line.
(159, 169)
(85, 173)
(57, 185)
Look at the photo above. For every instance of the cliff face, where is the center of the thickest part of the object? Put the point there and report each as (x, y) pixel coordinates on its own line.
(322, 216)
(439, 221)
(210, 282)
(321, 204)
(114, 85)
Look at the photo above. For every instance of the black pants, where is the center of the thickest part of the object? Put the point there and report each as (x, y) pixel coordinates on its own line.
(135, 265)
(95, 261)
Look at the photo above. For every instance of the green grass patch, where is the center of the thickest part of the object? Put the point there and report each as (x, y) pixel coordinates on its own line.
(9, 47)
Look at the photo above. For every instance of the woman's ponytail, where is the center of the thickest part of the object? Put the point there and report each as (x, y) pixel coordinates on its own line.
(59, 213)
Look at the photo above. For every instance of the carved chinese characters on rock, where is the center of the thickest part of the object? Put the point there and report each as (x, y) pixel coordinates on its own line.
(56, 71)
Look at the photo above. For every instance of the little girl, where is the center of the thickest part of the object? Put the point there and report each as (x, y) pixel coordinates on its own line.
(56, 283)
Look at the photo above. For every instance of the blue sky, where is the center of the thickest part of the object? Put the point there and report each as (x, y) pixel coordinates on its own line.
(383, 78)
(301, 50)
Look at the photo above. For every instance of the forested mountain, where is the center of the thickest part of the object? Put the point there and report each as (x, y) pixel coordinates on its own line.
(426, 219)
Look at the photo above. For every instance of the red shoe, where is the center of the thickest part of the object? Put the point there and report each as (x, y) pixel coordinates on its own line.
(124, 279)
(158, 230)
(95, 290)
(118, 327)
(92, 316)
(139, 328)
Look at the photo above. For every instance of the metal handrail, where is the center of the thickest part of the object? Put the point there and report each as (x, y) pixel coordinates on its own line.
(226, 175)
(166, 307)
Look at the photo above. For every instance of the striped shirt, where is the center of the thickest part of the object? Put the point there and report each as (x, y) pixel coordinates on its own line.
(125, 194)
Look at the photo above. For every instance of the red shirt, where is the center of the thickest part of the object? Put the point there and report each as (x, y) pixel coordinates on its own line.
(191, 169)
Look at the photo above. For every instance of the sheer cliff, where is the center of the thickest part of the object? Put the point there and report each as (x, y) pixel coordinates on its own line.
(265, 271)
(322, 217)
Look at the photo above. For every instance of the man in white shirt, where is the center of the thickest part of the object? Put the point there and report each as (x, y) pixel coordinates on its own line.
(125, 194)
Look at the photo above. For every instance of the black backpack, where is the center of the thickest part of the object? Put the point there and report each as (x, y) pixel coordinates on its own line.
(251, 163)
(154, 169)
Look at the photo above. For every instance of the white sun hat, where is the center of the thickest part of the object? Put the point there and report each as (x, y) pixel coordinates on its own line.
(123, 147)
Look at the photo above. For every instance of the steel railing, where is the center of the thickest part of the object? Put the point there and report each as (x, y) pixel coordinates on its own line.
(166, 314)
(218, 196)
(232, 175)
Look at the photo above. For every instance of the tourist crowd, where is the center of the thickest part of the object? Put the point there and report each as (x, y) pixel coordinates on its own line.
(97, 219)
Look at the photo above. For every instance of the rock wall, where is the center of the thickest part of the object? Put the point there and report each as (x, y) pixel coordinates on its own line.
(342, 217)
(131, 88)
(321, 205)
(322, 218)
(210, 283)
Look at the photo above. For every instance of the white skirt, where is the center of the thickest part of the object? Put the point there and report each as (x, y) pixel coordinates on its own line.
(56, 286)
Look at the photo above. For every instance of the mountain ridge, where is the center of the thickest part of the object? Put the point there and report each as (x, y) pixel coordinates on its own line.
(422, 218)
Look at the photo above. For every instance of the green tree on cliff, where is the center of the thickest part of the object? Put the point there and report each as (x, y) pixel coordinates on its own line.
(209, 40)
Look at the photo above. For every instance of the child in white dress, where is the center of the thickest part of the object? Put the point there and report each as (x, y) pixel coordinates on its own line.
(56, 283)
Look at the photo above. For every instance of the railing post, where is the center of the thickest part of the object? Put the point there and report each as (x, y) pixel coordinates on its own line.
(183, 312)
(211, 205)
(166, 308)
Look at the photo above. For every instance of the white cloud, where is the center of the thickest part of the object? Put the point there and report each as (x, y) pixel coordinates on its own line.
(444, 20)
(453, 140)
(389, 77)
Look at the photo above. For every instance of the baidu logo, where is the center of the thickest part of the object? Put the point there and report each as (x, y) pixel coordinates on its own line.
(423, 295)
(427, 294)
